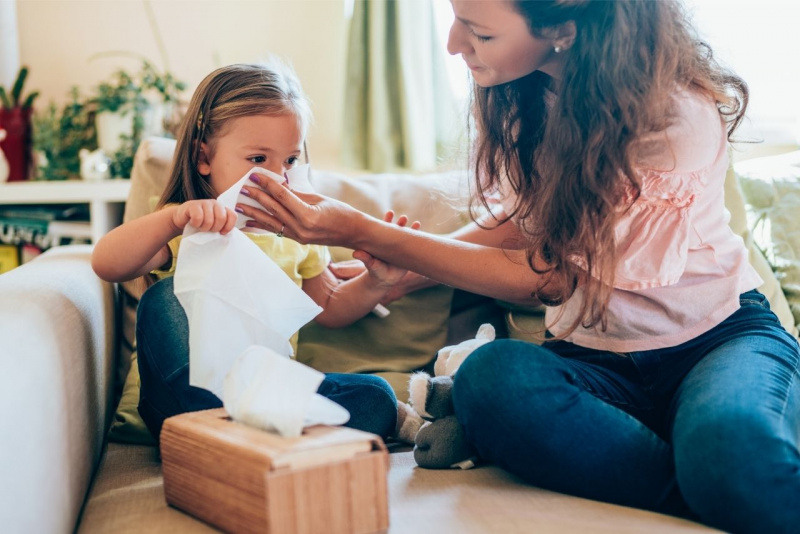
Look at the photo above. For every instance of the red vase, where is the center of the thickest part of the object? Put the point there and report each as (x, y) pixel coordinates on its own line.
(17, 144)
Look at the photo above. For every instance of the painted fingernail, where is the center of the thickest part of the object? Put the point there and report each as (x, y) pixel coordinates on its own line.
(254, 178)
(245, 192)
(238, 209)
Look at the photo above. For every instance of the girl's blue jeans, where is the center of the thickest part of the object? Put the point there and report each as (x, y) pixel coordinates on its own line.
(707, 430)
(162, 337)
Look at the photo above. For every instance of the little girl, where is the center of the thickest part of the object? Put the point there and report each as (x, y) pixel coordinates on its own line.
(240, 116)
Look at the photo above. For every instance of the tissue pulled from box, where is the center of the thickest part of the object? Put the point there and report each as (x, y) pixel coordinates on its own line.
(268, 391)
(235, 297)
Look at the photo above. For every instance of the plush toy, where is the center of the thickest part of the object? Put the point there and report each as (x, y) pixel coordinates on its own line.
(441, 443)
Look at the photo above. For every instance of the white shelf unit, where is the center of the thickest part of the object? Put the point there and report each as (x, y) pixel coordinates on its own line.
(106, 198)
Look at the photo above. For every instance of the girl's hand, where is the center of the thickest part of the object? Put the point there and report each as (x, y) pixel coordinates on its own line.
(345, 270)
(206, 215)
(385, 274)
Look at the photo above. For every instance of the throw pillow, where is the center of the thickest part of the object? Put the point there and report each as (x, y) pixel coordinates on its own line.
(771, 188)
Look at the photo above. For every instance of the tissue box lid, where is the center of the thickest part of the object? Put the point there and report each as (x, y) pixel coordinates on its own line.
(317, 445)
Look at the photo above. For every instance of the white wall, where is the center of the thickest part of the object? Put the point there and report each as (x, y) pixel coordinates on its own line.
(57, 38)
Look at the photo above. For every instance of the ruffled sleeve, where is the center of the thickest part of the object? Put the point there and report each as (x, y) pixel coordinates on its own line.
(652, 236)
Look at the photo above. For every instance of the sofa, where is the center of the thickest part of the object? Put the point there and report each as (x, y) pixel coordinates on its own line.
(75, 457)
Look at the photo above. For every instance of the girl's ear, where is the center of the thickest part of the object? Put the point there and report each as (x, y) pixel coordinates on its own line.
(203, 164)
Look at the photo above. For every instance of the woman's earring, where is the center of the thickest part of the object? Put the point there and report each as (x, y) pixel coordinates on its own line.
(557, 49)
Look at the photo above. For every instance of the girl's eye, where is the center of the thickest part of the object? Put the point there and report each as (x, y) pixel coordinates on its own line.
(257, 159)
(292, 160)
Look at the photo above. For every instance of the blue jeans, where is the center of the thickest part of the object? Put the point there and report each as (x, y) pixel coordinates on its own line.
(707, 430)
(162, 337)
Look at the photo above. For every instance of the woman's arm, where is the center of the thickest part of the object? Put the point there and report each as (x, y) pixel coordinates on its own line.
(478, 268)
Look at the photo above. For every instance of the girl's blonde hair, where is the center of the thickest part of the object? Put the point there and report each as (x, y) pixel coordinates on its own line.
(228, 93)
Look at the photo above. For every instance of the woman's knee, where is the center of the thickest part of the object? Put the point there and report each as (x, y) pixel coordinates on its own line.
(497, 373)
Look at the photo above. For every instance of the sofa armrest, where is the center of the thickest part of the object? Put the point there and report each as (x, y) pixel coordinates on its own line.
(57, 350)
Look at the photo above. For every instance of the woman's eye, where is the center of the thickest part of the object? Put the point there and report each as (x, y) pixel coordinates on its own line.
(257, 159)
(481, 38)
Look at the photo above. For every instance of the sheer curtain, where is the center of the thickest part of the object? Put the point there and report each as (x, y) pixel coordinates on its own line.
(9, 43)
(399, 109)
(760, 41)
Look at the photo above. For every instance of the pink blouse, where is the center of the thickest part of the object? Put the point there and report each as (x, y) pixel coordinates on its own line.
(681, 268)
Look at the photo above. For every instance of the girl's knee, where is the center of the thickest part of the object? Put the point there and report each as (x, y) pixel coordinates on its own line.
(370, 400)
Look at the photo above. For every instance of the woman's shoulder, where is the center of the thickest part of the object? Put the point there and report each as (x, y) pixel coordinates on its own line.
(691, 142)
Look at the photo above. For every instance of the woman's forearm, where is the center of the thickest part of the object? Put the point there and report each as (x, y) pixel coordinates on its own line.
(495, 272)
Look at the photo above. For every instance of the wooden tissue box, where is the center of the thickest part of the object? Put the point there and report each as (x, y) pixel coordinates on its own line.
(241, 479)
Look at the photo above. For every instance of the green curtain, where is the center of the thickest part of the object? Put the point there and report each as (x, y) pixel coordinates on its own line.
(399, 110)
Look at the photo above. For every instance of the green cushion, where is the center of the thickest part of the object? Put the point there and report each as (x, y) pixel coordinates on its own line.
(391, 347)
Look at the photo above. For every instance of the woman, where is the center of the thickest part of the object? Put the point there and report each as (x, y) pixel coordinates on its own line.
(667, 384)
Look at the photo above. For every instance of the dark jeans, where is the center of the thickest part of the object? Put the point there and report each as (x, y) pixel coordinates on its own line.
(162, 337)
(707, 430)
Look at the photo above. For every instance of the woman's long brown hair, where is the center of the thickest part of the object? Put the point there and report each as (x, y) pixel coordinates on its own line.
(569, 164)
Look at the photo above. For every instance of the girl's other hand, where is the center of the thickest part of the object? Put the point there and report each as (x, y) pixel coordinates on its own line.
(345, 270)
(206, 215)
(384, 273)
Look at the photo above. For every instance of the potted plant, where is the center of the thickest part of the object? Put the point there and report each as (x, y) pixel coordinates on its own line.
(15, 119)
(131, 106)
(60, 135)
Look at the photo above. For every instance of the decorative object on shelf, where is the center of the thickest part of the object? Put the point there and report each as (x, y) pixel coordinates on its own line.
(59, 136)
(95, 165)
(3, 161)
(15, 119)
(129, 107)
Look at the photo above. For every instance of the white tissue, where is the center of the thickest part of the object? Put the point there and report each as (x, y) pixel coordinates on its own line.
(268, 391)
(235, 297)
(298, 180)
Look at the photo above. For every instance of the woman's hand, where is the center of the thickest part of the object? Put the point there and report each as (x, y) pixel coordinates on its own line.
(304, 217)
(206, 215)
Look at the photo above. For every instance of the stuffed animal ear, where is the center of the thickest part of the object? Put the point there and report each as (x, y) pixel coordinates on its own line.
(486, 331)
(440, 367)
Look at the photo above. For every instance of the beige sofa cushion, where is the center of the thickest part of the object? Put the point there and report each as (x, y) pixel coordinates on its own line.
(771, 187)
(128, 497)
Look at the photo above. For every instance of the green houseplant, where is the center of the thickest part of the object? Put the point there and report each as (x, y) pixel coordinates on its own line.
(129, 106)
(59, 135)
(15, 119)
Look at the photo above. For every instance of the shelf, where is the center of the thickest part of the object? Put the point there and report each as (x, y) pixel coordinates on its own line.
(106, 199)
(68, 191)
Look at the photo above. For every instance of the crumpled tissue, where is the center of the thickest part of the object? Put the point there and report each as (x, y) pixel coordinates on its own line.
(236, 297)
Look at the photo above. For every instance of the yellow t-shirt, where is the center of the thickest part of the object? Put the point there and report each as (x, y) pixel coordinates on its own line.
(298, 261)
